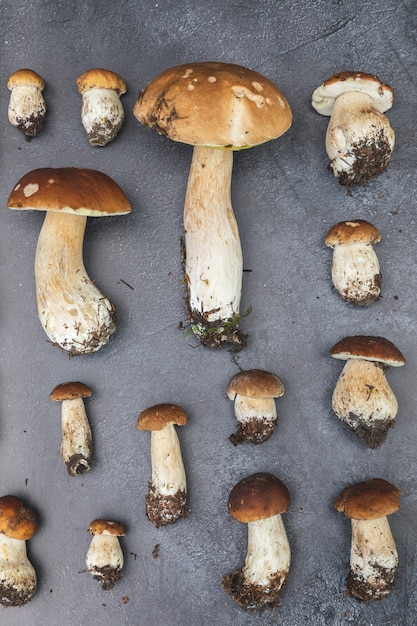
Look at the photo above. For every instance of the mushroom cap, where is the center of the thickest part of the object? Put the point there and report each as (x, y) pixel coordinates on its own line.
(255, 383)
(25, 77)
(257, 497)
(158, 416)
(16, 520)
(369, 500)
(214, 104)
(70, 391)
(353, 231)
(324, 97)
(106, 527)
(376, 349)
(98, 78)
(70, 190)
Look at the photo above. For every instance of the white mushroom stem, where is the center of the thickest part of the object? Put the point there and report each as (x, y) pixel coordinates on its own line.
(17, 574)
(102, 115)
(248, 408)
(103, 554)
(356, 272)
(27, 109)
(168, 473)
(74, 313)
(268, 553)
(76, 447)
(213, 265)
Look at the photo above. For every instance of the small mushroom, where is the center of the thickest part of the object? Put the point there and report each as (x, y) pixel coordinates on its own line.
(253, 392)
(356, 273)
(77, 444)
(167, 495)
(217, 108)
(373, 555)
(359, 138)
(18, 578)
(73, 312)
(27, 108)
(102, 113)
(104, 558)
(258, 501)
(362, 398)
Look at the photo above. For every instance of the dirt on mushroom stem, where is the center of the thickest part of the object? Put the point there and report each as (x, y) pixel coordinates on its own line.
(372, 434)
(372, 158)
(253, 597)
(362, 591)
(255, 431)
(165, 509)
(30, 126)
(107, 576)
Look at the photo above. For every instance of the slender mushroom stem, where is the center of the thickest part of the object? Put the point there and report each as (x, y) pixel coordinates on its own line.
(76, 447)
(213, 263)
(268, 555)
(17, 575)
(74, 313)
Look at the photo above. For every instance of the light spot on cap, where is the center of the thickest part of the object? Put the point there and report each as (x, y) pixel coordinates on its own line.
(212, 79)
(243, 92)
(17, 187)
(30, 189)
(187, 73)
(257, 86)
(51, 181)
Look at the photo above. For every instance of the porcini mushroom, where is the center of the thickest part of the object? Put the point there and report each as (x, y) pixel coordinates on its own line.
(18, 578)
(359, 138)
(373, 555)
(217, 108)
(167, 495)
(104, 558)
(254, 392)
(259, 500)
(77, 441)
(356, 273)
(73, 312)
(362, 398)
(102, 113)
(27, 108)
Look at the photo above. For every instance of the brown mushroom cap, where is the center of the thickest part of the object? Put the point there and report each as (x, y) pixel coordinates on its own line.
(257, 497)
(255, 383)
(16, 520)
(106, 527)
(70, 391)
(98, 78)
(368, 348)
(25, 77)
(353, 231)
(70, 190)
(214, 104)
(158, 416)
(369, 500)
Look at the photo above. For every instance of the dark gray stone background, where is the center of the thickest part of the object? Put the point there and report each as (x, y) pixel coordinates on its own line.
(285, 201)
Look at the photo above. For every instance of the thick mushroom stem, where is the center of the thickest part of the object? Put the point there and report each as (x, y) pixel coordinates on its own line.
(73, 312)
(213, 254)
(104, 560)
(373, 559)
(359, 139)
(356, 273)
(257, 419)
(102, 115)
(17, 575)
(27, 109)
(77, 446)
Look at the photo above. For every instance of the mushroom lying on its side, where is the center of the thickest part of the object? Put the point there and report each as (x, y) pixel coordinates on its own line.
(27, 108)
(104, 558)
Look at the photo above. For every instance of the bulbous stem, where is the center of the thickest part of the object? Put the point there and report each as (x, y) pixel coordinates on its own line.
(17, 575)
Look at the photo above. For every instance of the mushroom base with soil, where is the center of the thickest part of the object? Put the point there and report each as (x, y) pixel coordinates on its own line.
(256, 430)
(17, 575)
(252, 597)
(165, 509)
(371, 433)
(102, 115)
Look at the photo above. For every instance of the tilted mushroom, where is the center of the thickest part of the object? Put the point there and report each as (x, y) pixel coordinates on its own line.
(217, 108)
(373, 555)
(167, 495)
(359, 138)
(259, 500)
(77, 441)
(362, 398)
(27, 108)
(74, 314)
(102, 113)
(104, 558)
(356, 273)
(18, 579)
(254, 392)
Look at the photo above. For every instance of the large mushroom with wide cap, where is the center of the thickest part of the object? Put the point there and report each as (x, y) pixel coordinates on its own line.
(362, 398)
(73, 312)
(359, 137)
(218, 108)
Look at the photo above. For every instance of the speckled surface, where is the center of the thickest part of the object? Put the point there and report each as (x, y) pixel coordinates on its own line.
(285, 200)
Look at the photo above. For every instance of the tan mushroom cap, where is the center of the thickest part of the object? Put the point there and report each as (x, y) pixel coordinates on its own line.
(70, 190)
(255, 383)
(158, 416)
(16, 520)
(70, 391)
(353, 231)
(324, 97)
(98, 78)
(369, 500)
(257, 497)
(106, 527)
(25, 77)
(368, 348)
(214, 104)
